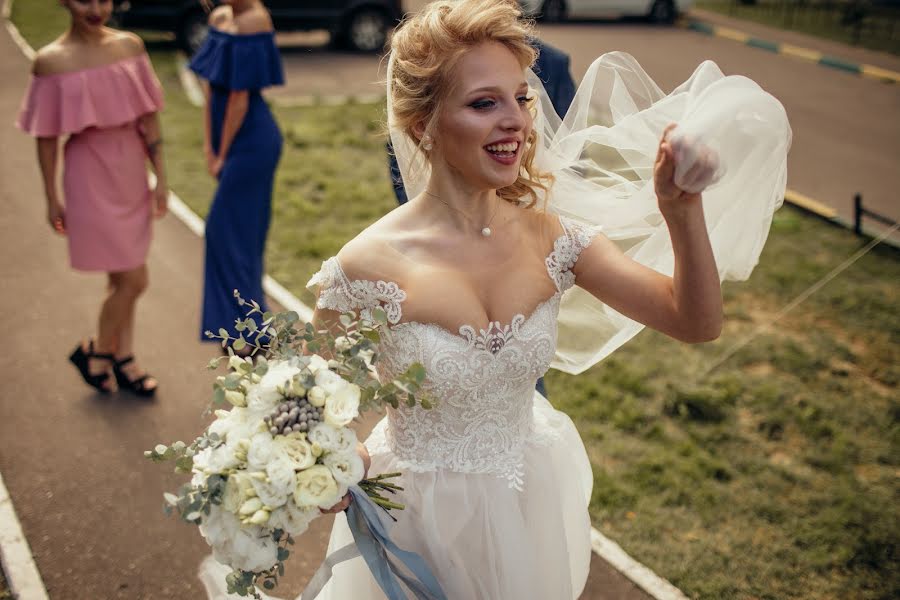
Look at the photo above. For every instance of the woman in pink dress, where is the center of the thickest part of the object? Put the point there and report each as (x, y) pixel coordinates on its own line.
(95, 86)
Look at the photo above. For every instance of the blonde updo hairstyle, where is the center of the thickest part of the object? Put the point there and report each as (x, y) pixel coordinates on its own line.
(426, 49)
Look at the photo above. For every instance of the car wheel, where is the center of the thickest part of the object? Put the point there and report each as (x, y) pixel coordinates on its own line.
(663, 11)
(366, 30)
(193, 31)
(553, 11)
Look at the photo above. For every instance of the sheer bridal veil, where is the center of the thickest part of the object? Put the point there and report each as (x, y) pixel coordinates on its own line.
(602, 153)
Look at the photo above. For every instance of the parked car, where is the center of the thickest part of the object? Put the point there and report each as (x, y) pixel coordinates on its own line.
(657, 11)
(361, 25)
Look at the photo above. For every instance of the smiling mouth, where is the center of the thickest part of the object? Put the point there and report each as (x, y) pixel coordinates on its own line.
(504, 153)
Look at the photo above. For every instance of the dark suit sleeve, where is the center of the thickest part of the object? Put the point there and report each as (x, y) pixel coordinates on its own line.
(565, 91)
(396, 177)
(552, 67)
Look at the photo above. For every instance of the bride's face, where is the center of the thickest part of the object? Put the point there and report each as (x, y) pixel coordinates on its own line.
(485, 121)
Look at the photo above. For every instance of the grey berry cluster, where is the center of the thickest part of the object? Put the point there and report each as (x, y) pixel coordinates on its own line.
(295, 415)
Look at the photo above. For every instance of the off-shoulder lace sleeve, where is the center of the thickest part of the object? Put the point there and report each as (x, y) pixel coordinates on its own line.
(566, 250)
(337, 292)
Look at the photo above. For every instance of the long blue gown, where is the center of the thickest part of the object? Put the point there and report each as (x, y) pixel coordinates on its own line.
(238, 219)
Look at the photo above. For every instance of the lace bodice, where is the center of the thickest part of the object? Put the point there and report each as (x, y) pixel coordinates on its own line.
(482, 380)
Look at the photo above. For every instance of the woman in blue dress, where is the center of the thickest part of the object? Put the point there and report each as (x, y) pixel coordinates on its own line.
(243, 145)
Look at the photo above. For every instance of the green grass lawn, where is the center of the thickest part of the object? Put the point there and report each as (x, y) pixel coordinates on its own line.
(878, 29)
(776, 476)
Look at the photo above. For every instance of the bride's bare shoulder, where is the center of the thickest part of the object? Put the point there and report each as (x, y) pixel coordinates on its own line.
(372, 254)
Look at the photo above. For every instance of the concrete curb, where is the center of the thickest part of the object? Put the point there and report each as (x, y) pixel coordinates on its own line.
(806, 54)
(22, 573)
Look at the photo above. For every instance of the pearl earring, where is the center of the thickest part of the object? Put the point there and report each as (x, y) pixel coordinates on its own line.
(427, 143)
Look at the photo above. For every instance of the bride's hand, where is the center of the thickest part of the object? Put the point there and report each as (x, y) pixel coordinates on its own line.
(703, 170)
(345, 501)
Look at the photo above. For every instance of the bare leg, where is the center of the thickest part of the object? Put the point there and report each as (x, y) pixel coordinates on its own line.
(125, 347)
(116, 330)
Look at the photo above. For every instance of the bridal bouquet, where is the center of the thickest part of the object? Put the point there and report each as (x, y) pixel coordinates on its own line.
(284, 448)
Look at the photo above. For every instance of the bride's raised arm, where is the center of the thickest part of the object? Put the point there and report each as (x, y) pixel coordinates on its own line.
(686, 306)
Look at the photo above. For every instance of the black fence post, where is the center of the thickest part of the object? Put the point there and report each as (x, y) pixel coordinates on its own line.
(857, 214)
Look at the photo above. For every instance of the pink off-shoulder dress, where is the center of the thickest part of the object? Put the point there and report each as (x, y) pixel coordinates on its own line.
(107, 197)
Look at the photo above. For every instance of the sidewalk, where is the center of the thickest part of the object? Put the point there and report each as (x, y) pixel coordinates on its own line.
(852, 54)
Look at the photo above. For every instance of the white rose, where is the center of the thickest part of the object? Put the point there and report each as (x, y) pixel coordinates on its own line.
(347, 468)
(297, 451)
(292, 519)
(342, 406)
(333, 439)
(278, 485)
(316, 487)
(238, 489)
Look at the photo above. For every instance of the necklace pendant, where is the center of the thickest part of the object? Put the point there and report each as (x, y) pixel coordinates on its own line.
(486, 232)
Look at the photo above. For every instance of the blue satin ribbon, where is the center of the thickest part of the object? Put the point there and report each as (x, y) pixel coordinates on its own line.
(373, 542)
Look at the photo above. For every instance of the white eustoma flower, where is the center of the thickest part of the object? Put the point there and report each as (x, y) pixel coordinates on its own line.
(215, 460)
(333, 439)
(342, 406)
(278, 485)
(347, 468)
(262, 451)
(316, 487)
(296, 450)
(264, 396)
(237, 423)
(329, 381)
(293, 519)
(249, 548)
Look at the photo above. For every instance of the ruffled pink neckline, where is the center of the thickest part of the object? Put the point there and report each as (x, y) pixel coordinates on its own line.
(103, 96)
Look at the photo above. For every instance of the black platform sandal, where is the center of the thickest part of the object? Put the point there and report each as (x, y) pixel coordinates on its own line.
(137, 386)
(81, 360)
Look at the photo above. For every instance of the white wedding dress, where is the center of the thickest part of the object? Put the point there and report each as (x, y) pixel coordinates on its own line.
(496, 482)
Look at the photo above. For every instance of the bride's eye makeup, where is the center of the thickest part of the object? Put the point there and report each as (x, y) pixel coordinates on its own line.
(486, 103)
(483, 104)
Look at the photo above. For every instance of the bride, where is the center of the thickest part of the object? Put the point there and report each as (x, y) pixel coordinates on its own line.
(530, 241)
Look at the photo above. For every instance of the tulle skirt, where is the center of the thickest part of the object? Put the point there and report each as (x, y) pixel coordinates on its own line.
(482, 539)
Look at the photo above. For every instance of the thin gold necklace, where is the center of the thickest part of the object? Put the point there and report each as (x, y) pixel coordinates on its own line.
(486, 230)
